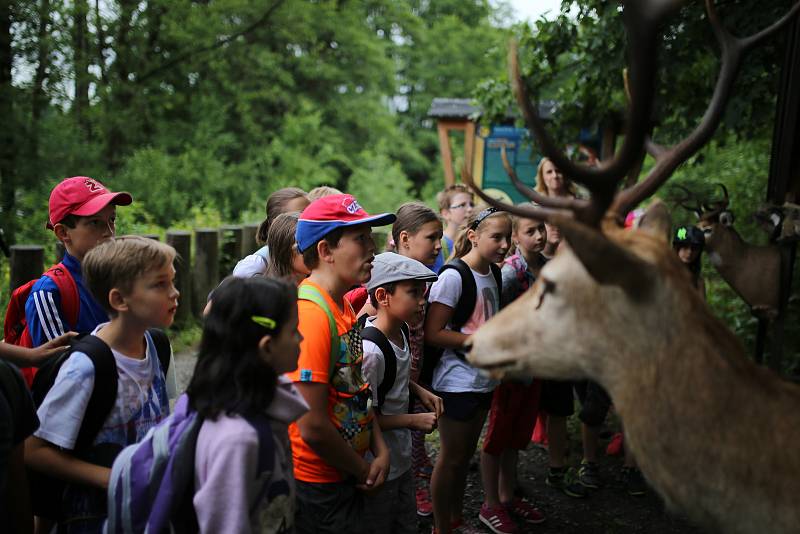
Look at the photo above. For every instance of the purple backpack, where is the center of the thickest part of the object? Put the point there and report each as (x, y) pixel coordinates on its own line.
(152, 482)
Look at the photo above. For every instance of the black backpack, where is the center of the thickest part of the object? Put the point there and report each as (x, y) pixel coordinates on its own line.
(463, 311)
(46, 491)
(370, 333)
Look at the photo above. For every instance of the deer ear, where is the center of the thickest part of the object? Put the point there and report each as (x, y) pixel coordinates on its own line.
(657, 221)
(607, 262)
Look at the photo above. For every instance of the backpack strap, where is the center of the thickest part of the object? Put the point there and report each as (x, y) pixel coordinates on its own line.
(163, 348)
(498, 279)
(104, 392)
(68, 290)
(311, 293)
(469, 293)
(371, 333)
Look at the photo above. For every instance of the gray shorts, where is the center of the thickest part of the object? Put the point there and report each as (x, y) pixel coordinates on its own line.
(393, 508)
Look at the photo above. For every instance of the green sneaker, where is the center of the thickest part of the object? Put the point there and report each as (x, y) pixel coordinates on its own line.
(563, 478)
(589, 475)
(633, 481)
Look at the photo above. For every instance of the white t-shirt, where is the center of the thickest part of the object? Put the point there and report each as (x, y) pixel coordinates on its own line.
(252, 265)
(452, 374)
(142, 399)
(396, 401)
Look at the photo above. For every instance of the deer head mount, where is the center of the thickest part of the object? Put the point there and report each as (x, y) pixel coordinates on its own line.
(616, 306)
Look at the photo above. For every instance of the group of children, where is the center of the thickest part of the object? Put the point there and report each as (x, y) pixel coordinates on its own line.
(318, 332)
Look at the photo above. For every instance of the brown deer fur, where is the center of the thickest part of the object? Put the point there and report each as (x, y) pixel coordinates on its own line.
(753, 271)
(713, 433)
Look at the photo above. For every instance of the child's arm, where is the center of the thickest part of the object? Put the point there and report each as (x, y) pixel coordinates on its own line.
(379, 468)
(47, 458)
(430, 401)
(436, 331)
(318, 431)
(425, 422)
(25, 357)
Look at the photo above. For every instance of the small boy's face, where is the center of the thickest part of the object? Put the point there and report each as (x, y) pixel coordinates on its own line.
(153, 299)
(530, 235)
(89, 231)
(352, 258)
(407, 303)
(688, 254)
(461, 205)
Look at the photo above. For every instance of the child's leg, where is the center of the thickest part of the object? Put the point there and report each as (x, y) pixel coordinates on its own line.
(590, 437)
(557, 439)
(458, 441)
(490, 476)
(508, 475)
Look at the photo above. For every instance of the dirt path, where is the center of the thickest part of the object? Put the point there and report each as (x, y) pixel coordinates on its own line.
(607, 511)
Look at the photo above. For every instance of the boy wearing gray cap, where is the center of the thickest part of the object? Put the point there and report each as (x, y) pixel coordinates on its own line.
(397, 291)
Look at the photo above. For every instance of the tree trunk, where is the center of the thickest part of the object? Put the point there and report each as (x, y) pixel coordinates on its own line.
(7, 132)
(38, 97)
(80, 47)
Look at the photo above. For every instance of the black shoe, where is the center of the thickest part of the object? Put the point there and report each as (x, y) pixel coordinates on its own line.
(563, 478)
(633, 481)
(589, 475)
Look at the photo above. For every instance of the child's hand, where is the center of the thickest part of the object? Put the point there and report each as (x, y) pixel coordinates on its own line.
(40, 354)
(425, 422)
(431, 402)
(378, 471)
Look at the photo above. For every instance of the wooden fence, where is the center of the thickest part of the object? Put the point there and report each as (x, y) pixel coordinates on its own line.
(205, 256)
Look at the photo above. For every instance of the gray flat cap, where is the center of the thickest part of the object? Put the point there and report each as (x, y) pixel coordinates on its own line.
(392, 267)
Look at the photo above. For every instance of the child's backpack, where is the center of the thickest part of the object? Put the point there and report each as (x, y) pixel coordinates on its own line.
(15, 325)
(46, 490)
(461, 314)
(370, 333)
(152, 482)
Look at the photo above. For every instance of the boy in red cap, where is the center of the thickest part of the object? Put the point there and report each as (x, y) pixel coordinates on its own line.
(82, 215)
(337, 447)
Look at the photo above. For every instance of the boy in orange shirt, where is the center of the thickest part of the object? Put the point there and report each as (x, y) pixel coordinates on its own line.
(330, 442)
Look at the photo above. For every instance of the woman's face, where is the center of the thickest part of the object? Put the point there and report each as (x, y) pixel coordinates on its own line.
(553, 179)
(688, 254)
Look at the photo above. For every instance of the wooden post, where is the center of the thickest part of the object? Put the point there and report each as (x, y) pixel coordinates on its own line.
(27, 263)
(249, 244)
(447, 155)
(232, 248)
(206, 267)
(181, 241)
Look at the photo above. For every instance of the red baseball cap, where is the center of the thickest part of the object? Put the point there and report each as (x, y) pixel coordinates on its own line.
(82, 196)
(329, 213)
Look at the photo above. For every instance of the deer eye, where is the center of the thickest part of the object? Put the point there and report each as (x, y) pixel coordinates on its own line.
(548, 286)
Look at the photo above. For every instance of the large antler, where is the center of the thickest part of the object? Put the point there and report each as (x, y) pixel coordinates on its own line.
(642, 19)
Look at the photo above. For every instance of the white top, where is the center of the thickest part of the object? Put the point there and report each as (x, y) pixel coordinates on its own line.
(142, 399)
(396, 402)
(452, 374)
(252, 265)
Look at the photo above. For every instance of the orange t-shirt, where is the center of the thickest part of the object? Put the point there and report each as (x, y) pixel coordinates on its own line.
(349, 397)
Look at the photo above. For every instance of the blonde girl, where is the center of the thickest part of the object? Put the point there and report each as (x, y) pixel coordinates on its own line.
(467, 393)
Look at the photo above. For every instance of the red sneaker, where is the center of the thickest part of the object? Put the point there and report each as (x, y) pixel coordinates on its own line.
(497, 519)
(524, 510)
(424, 506)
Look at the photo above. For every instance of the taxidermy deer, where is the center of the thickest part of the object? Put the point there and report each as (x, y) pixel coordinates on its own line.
(714, 434)
(753, 271)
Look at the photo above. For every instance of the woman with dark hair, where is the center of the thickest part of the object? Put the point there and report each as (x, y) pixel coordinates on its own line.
(688, 243)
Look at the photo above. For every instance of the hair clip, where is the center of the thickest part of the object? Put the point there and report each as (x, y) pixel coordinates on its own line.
(481, 216)
(266, 322)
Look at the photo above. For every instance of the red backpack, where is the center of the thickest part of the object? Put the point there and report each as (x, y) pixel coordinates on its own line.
(15, 326)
